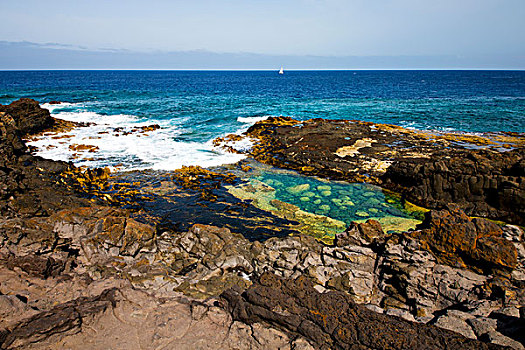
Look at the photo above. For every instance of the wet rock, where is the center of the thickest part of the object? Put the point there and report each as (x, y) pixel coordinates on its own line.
(298, 188)
(58, 248)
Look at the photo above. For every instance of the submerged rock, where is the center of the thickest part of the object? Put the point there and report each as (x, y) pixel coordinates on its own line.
(78, 273)
(298, 188)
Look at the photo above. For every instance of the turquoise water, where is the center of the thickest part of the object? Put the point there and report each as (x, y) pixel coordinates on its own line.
(342, 201)
(193, 108)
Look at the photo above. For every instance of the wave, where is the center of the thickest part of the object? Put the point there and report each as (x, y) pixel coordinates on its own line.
(118, 142)
(62, 105)
(93, 117)
(252, 120)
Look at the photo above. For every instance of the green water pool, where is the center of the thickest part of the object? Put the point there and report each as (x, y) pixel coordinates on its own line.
(324, 207)
(346, 202)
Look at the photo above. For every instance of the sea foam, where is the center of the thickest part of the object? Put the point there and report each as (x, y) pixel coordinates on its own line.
(116, 145)
(252, 120)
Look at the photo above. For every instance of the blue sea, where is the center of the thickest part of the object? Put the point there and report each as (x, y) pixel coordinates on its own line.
(194, 107)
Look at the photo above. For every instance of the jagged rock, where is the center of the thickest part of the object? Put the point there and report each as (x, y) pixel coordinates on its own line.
(456, 239)
(110, 314)
(43, 267)
(61, 319)
(333, 320)
(28, 116)
(483, 325)
(58, 248)
(360, 233)
(455, 324)
(499, 339)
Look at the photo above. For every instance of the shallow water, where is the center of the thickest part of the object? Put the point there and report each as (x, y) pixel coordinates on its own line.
(346, 202)
(323, 207)
(261, 202)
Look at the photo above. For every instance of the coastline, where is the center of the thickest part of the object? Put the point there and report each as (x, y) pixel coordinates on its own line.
(453, 271)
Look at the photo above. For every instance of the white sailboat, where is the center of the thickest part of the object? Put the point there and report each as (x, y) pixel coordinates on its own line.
(281, 71)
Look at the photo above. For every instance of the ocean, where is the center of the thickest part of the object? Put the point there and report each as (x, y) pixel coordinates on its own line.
(194, 107)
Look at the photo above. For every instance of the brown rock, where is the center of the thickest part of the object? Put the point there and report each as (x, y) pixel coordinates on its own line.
(360, 233)
(457, 240)
(332, 320)
(60, 319)
(35, 265)
(28, 115)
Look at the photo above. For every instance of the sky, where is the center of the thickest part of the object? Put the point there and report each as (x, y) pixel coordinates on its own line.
(467, 32)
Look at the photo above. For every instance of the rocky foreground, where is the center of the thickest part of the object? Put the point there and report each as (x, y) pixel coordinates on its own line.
(77, 273)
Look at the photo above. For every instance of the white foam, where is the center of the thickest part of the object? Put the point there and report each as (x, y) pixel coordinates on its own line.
(53, 107)
(155, 149)
(252, 120)
(118, 120)
(244, 145)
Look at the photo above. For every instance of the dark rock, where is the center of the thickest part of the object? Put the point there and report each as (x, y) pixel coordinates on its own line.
(60, 248)
(66, 317)
(35, 265)
(28, 115)
(479, 184)
(332, 320)
(428, 169)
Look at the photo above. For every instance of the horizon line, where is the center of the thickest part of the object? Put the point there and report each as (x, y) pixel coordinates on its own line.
(259, 69)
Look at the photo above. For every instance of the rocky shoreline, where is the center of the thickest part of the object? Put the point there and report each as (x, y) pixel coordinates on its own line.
(483, 174)
(78, 271)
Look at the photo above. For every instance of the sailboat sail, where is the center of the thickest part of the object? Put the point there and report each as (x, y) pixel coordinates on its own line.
(281, 71)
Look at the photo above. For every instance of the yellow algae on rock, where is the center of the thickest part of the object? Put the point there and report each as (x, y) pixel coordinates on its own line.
(260, 193)
(394, 223)
(377, 166)
(321, 227)
(354, 149)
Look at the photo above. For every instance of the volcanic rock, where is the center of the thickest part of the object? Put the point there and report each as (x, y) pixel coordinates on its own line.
(456, 239)
(483, 174)
(360, 234)
(78, 273)
(332, 320)
(28, 116)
